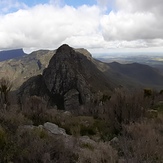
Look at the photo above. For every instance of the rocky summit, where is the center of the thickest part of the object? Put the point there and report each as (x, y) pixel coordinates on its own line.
(70, 80)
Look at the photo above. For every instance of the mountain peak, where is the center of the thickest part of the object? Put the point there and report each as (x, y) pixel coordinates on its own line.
(69, 52)
(64, 48)
(69, 81)
(64, 52)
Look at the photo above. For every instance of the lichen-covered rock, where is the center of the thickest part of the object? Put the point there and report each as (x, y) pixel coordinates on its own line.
(54, 129)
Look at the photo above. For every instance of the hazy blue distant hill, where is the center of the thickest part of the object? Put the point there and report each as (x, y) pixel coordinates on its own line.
(11, 54)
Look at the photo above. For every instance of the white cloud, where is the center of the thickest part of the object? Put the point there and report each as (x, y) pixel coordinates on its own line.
(134, 23)
(47, 26)
(131, 24)
(128, 26)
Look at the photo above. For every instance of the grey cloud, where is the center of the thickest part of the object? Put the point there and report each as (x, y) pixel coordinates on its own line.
(154, 6)
(103, 2)
(147, 5)
(135, 20)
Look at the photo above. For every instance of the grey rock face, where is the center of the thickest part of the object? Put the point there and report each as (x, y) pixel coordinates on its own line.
(69, 81)
(54, 129)
(71, 97)
(64, 78)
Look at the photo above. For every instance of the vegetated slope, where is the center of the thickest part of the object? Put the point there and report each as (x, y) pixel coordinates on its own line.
(71, 80)
(140, 73)
(11, 54)
(20, 69)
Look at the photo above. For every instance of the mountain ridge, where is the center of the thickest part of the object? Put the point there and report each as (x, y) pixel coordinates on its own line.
(11, 54)
(70, 80)
(22, 68)
(139, 72)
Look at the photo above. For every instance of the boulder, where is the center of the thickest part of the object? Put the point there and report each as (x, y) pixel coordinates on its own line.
(152, 113)
(87, 140)
(114, 142)
(54, 129)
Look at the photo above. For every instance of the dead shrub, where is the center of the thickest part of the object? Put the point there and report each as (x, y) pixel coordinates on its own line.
(142, 142)
(12, 118)
(101, 153)
(34, 109)
(34, 145)
(124, 107)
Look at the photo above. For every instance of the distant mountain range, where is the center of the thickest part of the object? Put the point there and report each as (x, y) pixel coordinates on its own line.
(140, 73)
(11, 54)
(152, 59)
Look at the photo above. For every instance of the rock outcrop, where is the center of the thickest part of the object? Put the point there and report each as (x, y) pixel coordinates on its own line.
(66, 77)
(54, 129)
(70, 80)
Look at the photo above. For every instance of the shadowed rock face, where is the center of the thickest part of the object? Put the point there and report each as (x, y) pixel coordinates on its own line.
(65, 77)
(71, 80)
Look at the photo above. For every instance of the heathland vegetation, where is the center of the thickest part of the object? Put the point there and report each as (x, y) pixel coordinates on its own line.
(126, 127)
(75, 109)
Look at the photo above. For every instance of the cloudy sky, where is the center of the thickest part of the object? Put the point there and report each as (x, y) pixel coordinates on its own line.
(98, 25)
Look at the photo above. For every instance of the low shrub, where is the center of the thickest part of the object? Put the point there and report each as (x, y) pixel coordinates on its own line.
(142, 142)
(12, 118)
(102, 153)
(34, 109)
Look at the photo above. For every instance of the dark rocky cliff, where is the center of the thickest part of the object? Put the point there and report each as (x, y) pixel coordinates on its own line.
(70, 80)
